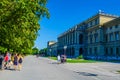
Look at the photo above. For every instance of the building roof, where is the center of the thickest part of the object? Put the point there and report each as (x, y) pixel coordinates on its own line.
(115, 21)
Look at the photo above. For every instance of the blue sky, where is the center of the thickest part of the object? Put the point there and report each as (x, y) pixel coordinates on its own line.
(64, 14)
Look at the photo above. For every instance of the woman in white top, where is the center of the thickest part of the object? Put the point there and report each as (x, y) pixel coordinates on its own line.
(58, 58)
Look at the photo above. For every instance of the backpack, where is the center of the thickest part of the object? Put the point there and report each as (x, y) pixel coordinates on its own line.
(20, 60)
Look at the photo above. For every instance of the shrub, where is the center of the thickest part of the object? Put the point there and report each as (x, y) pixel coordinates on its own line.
(80, 57)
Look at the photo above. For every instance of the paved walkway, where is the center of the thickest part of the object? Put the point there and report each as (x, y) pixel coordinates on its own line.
(45, 69)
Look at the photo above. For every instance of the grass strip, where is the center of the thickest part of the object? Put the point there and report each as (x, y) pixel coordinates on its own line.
(76, 60)
(118, 71)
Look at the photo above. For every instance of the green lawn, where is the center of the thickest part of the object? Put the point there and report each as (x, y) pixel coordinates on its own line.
(118, 72)
(80, 61)
(76, 60)
(53, 58)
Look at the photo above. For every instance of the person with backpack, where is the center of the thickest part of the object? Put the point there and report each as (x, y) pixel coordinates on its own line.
(15, 62)
(20, 60)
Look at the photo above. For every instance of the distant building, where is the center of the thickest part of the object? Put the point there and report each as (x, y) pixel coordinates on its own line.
(95, 38)
(52, 48)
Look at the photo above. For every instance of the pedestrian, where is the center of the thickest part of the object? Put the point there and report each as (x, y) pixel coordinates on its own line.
(20, 60)
(58, 58)
(5, 63)
(9, 60)
(15, 62)
(62, 59)
(1, 61)
(65, 58)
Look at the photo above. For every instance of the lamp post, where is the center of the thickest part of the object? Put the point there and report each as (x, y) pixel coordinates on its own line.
(65, 47)
(50, 52)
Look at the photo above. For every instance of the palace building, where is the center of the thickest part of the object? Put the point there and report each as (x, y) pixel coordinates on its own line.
(95, 38)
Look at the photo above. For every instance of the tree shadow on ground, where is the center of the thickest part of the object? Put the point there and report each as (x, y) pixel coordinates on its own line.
(87, 74)
(9, 69)
(54, 63)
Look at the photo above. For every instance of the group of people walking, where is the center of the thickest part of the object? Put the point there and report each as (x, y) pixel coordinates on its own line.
(11, 61)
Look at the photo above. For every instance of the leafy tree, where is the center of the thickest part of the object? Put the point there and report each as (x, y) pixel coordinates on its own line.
(43, 52)
(35, 51)
(19, 23)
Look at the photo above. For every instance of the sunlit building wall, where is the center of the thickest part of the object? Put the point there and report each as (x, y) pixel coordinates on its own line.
(95, 38)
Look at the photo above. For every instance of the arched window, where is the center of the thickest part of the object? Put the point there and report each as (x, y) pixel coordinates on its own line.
(117, 51)
(72, 51)
(111, 51)
(80, 39)
(106, 51)
(80, 51)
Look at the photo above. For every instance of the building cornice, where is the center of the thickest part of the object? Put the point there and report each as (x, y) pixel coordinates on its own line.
(100, 13)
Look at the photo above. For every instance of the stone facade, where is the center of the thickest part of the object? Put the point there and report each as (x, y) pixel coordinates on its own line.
(97, 46)
(112, 39)
(73, 39)
(96, 38)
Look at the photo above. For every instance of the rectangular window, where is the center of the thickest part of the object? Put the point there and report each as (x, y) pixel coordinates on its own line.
(96, 21)
(90, 49)
(116, 26)
(86, 51)
(111, 51)
(110, 28)
(117, 36)
(73, 37)
(95, 50)
(90, 39)
(91, 23)
(86, 26)
(111, 36)
(117, 51)
(106, 51)
(96, 37)
(106, 38)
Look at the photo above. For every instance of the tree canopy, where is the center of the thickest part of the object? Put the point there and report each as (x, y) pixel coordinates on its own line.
(19, 23)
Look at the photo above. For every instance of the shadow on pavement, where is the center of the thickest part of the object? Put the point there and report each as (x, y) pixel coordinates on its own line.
(9, 69)
(54, 63)
(86, 74)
